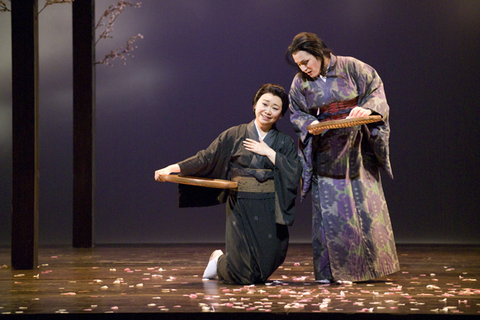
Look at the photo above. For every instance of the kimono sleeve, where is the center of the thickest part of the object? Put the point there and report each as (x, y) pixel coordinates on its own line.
(371, 92)
(287, 175)
(300, 119)
(372, 96)
(299, 116)
(210, 163)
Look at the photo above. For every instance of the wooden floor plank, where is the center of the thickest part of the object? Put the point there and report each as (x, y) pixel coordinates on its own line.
(151, 280)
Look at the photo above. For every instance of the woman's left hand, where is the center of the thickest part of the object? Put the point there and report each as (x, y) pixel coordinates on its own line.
(260, 147)
(359, 112)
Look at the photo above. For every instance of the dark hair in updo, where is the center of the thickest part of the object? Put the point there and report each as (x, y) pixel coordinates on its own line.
(311, 43)
(274, 89)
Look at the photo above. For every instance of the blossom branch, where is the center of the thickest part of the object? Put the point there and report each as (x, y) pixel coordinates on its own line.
(112, 14)
(3, 7)
(52, 2)
(119, 53)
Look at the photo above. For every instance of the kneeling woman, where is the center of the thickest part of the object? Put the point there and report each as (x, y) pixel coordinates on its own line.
(265, 164)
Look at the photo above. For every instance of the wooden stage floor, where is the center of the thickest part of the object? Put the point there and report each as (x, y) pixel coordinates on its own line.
(164, 282)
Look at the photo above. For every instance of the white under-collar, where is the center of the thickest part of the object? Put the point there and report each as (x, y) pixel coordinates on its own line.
(258, 131)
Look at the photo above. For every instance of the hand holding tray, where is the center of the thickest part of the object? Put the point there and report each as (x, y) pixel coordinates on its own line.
(318, 128)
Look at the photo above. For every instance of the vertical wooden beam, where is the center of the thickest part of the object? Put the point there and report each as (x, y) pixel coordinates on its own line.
(83, 122)
(25, 134)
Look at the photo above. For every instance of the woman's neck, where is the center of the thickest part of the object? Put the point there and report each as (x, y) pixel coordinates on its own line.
(262, 130)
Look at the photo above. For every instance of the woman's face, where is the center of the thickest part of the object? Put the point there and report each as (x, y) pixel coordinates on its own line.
(268, 110)
(308, 63)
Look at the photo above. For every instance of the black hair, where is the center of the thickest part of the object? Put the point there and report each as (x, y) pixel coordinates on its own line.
(311, 43)
(274, 89)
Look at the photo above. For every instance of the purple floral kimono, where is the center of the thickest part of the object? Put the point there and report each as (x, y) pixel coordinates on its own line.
(352, 234)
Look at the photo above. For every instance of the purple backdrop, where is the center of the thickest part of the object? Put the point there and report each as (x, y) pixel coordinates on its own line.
(194, 75)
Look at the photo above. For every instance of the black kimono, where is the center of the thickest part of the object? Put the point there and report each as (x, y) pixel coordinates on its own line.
(256, 237)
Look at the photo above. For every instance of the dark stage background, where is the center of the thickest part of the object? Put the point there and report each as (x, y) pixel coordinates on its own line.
(194, 75)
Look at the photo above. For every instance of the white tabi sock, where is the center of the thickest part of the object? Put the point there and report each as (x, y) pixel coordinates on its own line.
(211, 269)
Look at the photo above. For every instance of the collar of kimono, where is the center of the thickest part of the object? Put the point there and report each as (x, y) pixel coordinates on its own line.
(330, 67)
(258, 131)
(332, 64)
(252, 132)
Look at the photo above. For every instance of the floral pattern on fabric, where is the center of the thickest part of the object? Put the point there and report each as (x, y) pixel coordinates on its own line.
(352, 235)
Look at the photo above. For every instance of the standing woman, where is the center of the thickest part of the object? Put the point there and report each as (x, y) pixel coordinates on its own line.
(352, 235)
(265, 164)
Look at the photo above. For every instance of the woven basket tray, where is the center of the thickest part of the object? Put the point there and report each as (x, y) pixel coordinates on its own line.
(202, 182)
(343, 123)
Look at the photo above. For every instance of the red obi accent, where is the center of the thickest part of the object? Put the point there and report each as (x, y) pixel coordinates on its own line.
(338, 110)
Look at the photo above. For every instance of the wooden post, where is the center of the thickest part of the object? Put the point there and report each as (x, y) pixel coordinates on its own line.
(25, 134)
(83, 122)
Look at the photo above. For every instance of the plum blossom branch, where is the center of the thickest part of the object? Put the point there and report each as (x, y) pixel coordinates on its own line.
(112, 14)
(3, 7)
(52, 2)
(119, 53)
